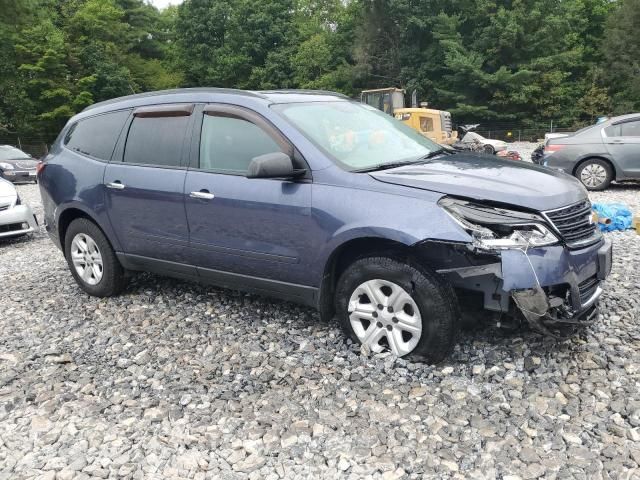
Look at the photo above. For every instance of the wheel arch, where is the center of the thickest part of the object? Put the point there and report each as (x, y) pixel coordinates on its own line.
(70, 214)
(430, 254)
(596, 157)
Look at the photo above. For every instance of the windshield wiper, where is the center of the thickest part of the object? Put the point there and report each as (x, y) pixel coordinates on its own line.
(388, 165)
(435, 153)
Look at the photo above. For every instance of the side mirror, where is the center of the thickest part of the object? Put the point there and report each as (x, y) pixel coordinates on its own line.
(272, 165)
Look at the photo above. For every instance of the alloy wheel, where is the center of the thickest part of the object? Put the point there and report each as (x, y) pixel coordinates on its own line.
(87, 259)
(593, 175)
(384, 316)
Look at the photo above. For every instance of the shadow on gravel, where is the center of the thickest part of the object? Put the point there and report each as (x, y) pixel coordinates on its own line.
(478, 335)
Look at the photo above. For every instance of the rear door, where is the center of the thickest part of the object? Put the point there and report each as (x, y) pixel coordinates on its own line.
(257, 228)
(622, 140)
(145, 180)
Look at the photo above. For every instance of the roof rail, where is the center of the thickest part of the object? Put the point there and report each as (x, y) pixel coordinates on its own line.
(173, 91)
(303, 91)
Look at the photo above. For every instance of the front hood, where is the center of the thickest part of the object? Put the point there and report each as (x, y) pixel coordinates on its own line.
(495, 143)
(487, 177)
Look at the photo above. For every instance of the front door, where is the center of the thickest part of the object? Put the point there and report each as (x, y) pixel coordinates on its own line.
(623, 143)
(144, 185)
(255, 228)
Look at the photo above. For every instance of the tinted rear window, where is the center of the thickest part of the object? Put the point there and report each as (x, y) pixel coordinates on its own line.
(96, 136)
(156, 140)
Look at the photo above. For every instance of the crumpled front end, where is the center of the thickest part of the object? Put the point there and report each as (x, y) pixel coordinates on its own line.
(547, 285)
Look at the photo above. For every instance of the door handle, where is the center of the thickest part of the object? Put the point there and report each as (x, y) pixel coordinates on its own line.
(117, 185)
(202, 194)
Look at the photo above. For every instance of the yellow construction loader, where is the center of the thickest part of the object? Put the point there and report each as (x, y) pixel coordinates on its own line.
(434, 124)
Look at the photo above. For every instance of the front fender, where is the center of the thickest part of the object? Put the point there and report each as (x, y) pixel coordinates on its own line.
(344, 214)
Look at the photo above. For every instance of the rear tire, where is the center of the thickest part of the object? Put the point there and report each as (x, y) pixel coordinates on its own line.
(423, 319)
(489, 149)
(595, 174)
(85, 244)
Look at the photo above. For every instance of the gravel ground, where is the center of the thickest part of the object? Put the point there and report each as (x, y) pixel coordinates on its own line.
(174, 380)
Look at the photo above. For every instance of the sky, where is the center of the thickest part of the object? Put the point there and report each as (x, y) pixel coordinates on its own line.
(164, 3)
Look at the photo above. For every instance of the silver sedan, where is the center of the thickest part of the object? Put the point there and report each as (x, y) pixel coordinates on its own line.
(599, 154)
(16, 219)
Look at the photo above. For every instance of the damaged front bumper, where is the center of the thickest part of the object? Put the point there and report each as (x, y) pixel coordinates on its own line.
(547, 285)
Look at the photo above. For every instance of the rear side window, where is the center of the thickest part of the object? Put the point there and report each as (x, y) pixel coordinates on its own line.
(228, 144)
(156, 140)
(630, 129)
(96, 136)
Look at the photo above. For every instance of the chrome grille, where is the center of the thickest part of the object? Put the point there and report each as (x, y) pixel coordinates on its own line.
(575, 224)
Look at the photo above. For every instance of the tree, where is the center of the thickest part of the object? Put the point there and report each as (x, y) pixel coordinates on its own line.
(621, 51)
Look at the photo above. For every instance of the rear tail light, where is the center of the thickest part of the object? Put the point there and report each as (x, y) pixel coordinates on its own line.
(552, 148)
(40, 167)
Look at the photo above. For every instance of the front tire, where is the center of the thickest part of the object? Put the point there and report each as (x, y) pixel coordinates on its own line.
(91, 259)
(388, 304)
(595, 174)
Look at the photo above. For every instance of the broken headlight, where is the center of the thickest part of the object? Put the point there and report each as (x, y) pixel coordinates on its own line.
(494, 228)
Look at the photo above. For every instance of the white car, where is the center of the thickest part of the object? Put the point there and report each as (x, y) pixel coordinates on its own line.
(16, 219)
(489, 146)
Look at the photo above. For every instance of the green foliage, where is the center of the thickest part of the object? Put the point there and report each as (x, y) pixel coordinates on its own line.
(524, 61)
(621, 51)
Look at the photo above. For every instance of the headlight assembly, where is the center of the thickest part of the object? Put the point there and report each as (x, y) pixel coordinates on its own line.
(6, 166)
(494, 228)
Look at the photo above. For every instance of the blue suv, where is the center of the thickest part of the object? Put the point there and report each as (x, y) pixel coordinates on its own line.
(314, 198)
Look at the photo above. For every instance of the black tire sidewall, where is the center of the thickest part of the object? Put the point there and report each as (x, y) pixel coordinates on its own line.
(112, 277)
(488, 149)
(602, 163)
(435, 300)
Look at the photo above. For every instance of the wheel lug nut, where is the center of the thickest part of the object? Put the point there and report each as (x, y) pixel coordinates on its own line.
(389, 327)
(375, 314)
(390, 309)
(380, 307)
(394, 319)
(379, 324)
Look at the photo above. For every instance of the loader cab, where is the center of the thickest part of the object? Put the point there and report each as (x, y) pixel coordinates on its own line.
(387, 100)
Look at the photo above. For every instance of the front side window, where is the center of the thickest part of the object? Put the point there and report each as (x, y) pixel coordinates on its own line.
(156, 140)
(357, 136)
(228, 143)
(96, 136)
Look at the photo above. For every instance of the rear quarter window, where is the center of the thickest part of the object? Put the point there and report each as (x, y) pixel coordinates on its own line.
(96, 136)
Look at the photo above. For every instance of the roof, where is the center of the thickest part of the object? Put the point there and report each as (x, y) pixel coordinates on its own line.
(273, 96)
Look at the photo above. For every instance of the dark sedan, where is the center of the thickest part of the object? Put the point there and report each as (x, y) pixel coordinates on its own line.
(599, 154)
(16, 165)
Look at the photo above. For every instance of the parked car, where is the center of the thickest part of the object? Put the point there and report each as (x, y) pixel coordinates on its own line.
(314, 198)
(600, 153)
(16, 218)
(17, 166)
(488, 145)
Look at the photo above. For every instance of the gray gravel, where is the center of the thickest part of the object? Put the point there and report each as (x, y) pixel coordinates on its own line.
(174, 380)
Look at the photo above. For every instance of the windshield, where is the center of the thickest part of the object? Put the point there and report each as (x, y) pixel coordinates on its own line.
(10, 153)
(357, 136)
